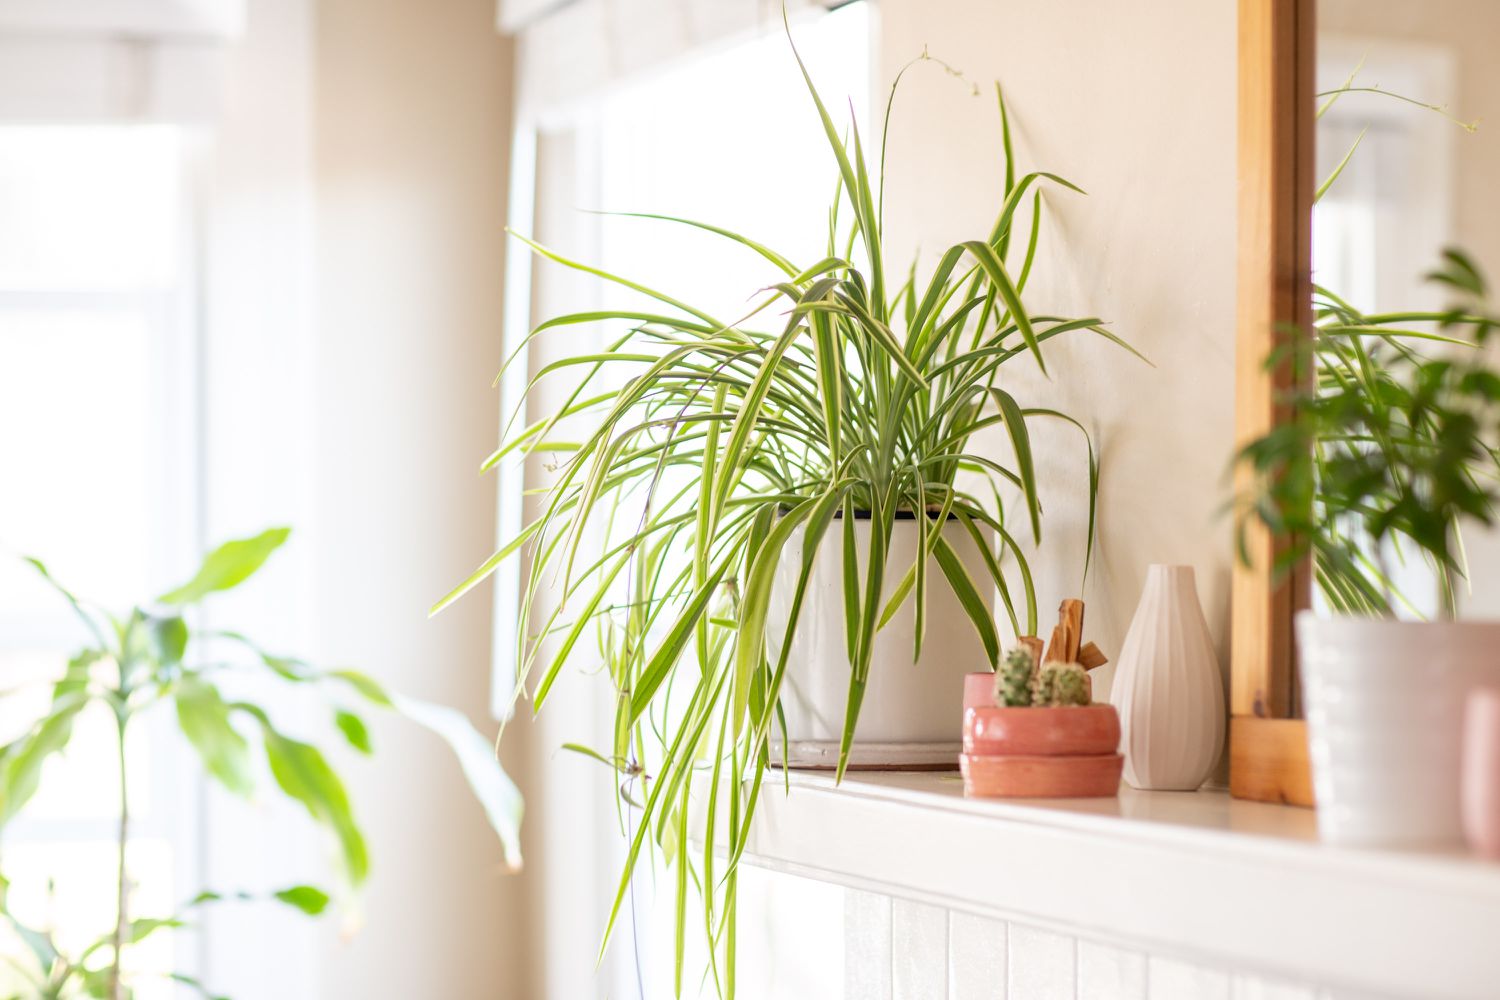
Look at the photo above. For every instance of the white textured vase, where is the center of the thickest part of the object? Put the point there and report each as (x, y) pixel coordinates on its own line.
(1167, 687)
(1384, 703)
(911, 714)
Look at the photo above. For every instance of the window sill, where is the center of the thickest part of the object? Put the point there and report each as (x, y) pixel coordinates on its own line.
(1199, 874)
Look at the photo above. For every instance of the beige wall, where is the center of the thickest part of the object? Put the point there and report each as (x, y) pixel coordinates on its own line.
(1133, 102)
(412, 113)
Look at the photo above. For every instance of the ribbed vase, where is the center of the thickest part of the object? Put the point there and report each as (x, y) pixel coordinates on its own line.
(1167, 687)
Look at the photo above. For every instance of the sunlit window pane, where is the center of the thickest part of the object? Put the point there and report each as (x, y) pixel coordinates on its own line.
(75, 405)
(91, 457)
(93, 208)
(66, 889)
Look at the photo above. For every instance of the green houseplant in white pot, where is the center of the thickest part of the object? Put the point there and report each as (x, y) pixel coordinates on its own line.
(784, 515)
(1388, 452)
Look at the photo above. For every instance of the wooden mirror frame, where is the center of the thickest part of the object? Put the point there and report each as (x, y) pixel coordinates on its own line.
(1277, 38)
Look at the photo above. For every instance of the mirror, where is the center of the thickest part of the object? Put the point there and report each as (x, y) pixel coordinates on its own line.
(1404, 172)
(1360, 160)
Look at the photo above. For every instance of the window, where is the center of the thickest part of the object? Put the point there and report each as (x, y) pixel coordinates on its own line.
(728, 137)
(97, 431)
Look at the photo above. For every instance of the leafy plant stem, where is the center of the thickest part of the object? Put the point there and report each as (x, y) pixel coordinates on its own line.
(122, 883)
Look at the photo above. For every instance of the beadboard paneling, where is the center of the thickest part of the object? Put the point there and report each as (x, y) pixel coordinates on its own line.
(1040, 965)
(919, 951)
(977, 949)
(1109, 973)
(867, 946)
(898, 949)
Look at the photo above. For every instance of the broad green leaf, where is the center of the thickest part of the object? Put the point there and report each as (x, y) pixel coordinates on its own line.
(203, 716)
(305, 775)
(309, 899)
(169, 637)
(354, 730)
(366, 686)
(228, 566)
(21, 761)
(497, 794)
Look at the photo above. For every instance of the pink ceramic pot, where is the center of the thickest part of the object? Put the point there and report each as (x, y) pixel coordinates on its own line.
(1035, 777)
(1481, 772)
(1037, 753)
(1066, 731)
(979, 690)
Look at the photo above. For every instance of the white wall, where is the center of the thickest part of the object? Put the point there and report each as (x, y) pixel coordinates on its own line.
(412, 112)
(1133, 102)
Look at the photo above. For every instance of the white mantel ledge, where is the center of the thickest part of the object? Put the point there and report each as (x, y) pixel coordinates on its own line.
(1194, 874)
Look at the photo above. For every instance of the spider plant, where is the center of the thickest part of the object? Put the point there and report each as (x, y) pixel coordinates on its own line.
(846, 390)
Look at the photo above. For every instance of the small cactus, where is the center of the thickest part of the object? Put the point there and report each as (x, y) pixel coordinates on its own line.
(1013, 679)
(1061, 684)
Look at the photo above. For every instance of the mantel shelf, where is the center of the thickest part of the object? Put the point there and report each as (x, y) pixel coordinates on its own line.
(1198, 874)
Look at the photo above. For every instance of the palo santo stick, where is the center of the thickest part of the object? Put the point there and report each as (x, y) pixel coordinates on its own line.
(1071, 613)
(1058, 646)
(1032, 645)
(1091, 656)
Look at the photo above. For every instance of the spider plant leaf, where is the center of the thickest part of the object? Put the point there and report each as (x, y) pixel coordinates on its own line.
(818, 520)
(750, 643)
(1005, 141)
(1093, 475)
(1328, 181)
(1339, 91)
(1000, 232)
(760, 248)
(994, 268)
(852, 704)
(556, 257)
(882, 336)
(851, 580)
(997, 575)
(1020, 440)
(968, 598)
(831, 380)
(671, 648)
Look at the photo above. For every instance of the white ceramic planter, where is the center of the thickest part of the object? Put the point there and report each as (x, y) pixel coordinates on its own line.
(1167, 687)
(1384, 704)
(911, 714)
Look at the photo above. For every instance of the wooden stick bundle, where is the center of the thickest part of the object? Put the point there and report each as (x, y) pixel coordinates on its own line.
(1066, 645)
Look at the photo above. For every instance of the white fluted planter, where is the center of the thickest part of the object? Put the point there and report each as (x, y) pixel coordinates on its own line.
(1384, 703)
(1167, 687)
(911, 715)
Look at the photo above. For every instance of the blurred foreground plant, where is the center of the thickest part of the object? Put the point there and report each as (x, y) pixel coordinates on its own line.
(152, 660)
